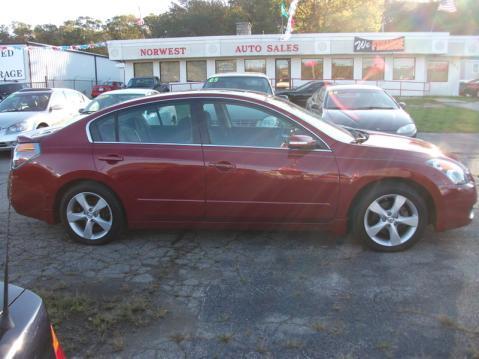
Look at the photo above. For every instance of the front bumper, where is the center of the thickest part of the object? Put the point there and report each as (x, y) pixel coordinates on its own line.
(456, 207)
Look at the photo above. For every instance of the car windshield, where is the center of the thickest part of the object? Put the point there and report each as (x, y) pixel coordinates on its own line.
(108, 99)
(258, 84)
(359, 99)
(19, 101)
(141, 82)
(334, 131)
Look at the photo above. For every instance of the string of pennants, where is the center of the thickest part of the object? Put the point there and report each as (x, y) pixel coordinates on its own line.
(59, 48)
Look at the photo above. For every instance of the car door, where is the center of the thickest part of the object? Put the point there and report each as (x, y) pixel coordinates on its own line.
(57, 109)
(252, 176)
(153, 160)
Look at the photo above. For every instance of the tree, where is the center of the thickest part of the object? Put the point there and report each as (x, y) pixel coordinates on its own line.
(411, 16)
(193, 18)
(264, 16)
(22, 32)
(4, 33)
(123, 27)
(339, 16)
(47, 34)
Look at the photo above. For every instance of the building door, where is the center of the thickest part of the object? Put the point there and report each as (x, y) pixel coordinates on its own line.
(283, 73)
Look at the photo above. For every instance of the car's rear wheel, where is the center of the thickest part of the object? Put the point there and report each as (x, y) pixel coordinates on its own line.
(390, 217)
(91, 214)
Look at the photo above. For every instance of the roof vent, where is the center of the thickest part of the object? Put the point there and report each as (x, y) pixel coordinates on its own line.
(243, 28)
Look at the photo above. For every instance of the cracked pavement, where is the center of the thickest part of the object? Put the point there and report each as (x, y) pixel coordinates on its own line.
(257, 294)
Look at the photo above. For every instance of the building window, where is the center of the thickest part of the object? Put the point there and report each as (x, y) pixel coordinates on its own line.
(141, 69)
(170, 71)
(438, 71)
(311, 69)
(225, 66)
(195, 71)
(255, 66)
(404, 69)
(342, 69)
(373, 68)
(475, 68)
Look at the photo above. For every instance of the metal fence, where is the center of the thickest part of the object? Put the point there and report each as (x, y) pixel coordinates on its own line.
(393, 87)
(83, 86)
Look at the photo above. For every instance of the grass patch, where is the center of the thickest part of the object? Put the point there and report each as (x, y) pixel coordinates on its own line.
(83, 320)
(434, 116)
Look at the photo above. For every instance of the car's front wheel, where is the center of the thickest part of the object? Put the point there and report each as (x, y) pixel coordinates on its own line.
(390, 217)
(91, 214)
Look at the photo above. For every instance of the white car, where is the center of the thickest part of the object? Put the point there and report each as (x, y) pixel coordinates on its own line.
(249, 81)
(111, 98)
(31, 109)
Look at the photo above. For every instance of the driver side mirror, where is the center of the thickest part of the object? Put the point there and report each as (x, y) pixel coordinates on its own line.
(301, 142)
(402, 104)
(283, 97)
(81, 110)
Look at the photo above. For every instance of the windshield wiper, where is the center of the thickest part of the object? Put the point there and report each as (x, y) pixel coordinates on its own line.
(360, 136)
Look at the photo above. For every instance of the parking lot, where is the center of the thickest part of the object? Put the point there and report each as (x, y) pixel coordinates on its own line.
(205, 294)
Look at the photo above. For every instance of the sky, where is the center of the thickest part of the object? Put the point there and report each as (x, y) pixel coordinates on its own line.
(36, 12)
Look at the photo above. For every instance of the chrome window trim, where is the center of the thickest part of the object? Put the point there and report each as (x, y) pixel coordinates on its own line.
(87, 127)
(271, 148)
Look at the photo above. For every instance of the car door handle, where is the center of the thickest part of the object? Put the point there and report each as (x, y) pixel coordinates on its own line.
(222, 165)
(110, 158)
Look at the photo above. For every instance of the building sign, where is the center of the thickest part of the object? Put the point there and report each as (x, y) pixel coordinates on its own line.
(12, 65)
(366, 45)
(273, 48)
(162, 51)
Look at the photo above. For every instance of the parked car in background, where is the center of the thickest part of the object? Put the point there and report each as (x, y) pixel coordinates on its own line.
(362, 107)
(114, 97)
(30, 109)
(249, 81)
(150, 82)
(31, 335)
(105, 87)
(7, 88)
(470, 88)
(236, 159)
(299, 95)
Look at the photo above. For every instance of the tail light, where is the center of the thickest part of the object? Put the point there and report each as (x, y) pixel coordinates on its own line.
(24, 152)
(57, 348)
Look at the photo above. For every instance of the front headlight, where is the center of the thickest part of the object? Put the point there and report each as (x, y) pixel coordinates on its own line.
(407, 129)
(452, 170)
(18, 127)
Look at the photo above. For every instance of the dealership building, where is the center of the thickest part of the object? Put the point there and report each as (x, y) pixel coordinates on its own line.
(407, 64)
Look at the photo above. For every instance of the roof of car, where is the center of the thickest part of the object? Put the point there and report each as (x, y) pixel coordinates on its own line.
(353, 87)
(46, 89)
(131, 91)
(240, 74)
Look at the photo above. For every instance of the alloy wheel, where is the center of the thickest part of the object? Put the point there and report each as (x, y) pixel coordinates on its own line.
(391, 220)
(89, 215)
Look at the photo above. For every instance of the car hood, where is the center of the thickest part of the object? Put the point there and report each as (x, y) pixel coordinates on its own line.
(10, 118)
(374, 120)
(396, 142)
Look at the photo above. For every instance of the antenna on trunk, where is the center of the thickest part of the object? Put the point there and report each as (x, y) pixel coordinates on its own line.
(6, 322)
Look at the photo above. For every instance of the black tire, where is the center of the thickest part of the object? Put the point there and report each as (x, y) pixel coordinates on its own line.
(385, 194)
(112, 213)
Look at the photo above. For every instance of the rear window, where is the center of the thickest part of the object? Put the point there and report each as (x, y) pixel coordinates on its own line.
(249, 83)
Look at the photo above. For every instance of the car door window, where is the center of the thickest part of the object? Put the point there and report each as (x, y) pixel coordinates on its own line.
(240, 124)
(58, 99)
(170, 124)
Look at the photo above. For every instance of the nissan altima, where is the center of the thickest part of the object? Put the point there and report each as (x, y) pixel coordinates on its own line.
(215, 159)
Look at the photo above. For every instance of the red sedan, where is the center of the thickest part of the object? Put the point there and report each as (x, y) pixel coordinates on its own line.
(105, 87)
(230, 159)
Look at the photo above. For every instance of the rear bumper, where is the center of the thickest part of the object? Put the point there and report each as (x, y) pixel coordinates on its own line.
(456, 206)
(30, 192)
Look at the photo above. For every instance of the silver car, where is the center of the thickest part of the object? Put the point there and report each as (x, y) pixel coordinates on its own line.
(31, 109)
